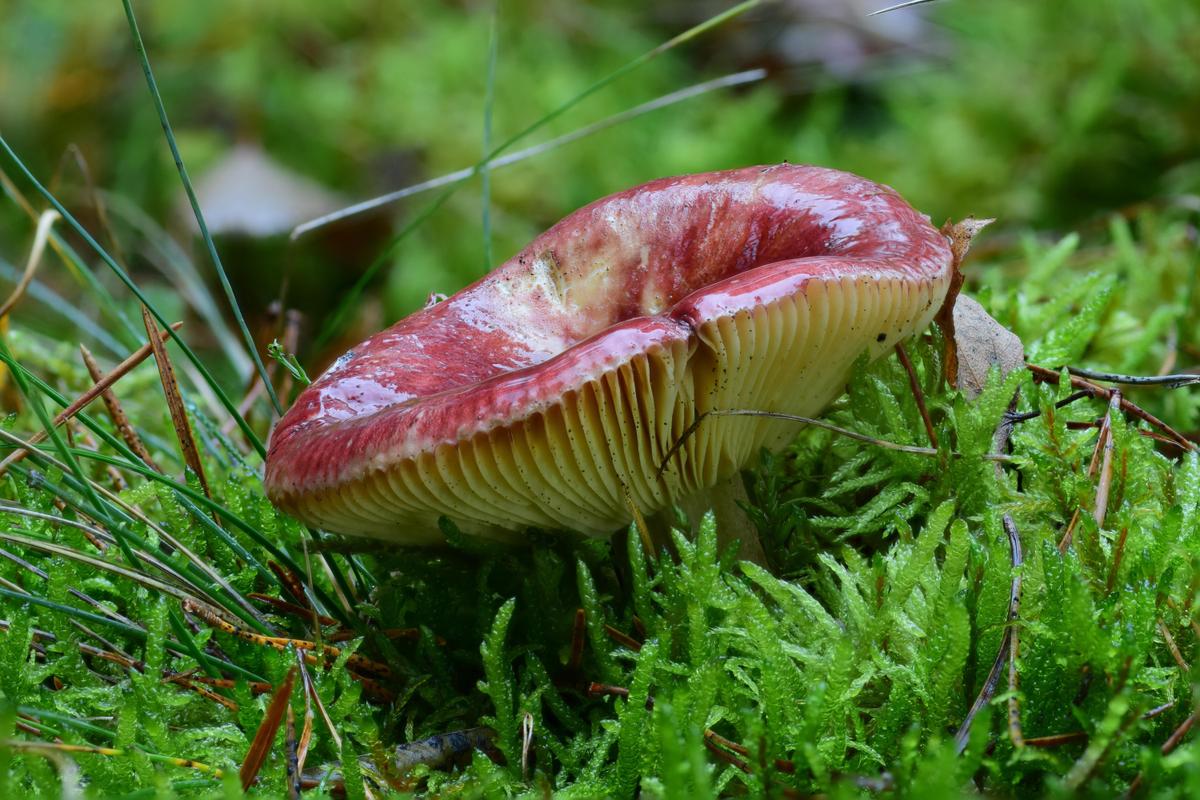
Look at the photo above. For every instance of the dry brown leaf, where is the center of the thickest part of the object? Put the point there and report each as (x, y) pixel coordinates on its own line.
(982, 343)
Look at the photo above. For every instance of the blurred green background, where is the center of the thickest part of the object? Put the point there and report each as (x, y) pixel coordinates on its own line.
(1049, 116)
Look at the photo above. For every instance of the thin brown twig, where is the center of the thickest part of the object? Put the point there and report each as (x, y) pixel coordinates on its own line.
(741, 749)
(1043, 375)
(120, 371)
(1187, 607)
(1058, 739)
(915, 385)
(356, 663)
(1167, 747)
(602, 689)
(726, 756)
(622, 639)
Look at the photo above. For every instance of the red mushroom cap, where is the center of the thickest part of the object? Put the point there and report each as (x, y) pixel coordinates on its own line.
(541, 394)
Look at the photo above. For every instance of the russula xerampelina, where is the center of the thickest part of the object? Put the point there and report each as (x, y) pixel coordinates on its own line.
(543, 393)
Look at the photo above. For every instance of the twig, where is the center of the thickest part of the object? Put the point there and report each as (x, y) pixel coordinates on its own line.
(726, 756)
(712, 736)
(1169, 381)
(988, 691)
(960, 235)
(1066, 401)
(622, 639)
(1170, 744)
(1043, 375)
(602, 689)
(915, 385)
(356, 662)
(1056, 739)
(1014, 647)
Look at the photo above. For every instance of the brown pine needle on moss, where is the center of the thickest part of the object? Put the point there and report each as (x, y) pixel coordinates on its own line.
(117, 413)
(120, 371)
(264, 737)
(179, 417)
(919, 396)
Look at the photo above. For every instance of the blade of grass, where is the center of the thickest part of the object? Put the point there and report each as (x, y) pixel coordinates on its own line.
(97, 389)
(124, 277)
(100, 564)
(458, 176)
(212, 506)
(135, 633)
(193, 592)
(45, 222)
(489, 100)
(68, 311)
(164, 253)
(899, 6)
(194, 565)
(68, 459)
(74, 263)
(62, 747)
(140, 47)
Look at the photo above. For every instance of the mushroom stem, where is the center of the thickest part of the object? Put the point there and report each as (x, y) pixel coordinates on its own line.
(733, 525)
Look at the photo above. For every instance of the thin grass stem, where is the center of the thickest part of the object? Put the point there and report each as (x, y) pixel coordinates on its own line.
(140, 47)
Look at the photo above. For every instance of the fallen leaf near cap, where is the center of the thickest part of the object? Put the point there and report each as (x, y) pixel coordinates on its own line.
(982, 343)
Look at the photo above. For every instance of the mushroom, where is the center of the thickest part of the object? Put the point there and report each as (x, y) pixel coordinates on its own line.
(548, 393)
